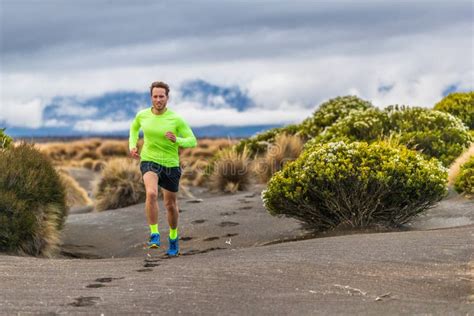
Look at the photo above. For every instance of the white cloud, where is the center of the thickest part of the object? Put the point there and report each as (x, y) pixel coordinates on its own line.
(73, 108)
(196, 115)
(54, 123)
(101, 126)
(24, 114)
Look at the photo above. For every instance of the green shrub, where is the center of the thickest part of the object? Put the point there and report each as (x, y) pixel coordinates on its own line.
(433, 133)
(329, 112)
(464, 182)
(459, 104)
(258, 144)
(364, 125)
(355, 184)
(32, 202)
(120, 185)
(5, 140)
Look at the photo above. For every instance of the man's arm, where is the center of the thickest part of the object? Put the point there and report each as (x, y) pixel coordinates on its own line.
(187, 138)
(133, 137)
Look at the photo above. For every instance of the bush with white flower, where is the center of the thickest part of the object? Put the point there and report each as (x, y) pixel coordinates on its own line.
(464, 182)
(433, 133)
(356, 184)
(459, 104)
(331, 111)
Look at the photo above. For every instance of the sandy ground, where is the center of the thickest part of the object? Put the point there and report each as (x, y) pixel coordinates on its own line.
(237, 259)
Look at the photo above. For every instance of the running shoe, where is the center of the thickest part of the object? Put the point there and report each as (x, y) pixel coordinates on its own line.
(173, 249)
(154, 241)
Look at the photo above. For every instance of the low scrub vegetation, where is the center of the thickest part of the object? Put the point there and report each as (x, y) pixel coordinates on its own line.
(120, 185)
(231, 170)
(432, 133)
(33, 205)
(356, 185)
(459, 104)
(464, 182)
(286, 148)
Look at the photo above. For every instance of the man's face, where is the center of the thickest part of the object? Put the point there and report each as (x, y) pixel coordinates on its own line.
(159, 98)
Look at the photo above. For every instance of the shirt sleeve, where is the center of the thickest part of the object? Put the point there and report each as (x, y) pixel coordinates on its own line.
(185, 136)
(134, 132)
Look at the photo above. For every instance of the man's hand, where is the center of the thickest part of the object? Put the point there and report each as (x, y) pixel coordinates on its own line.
(171, 136)
(134, 153)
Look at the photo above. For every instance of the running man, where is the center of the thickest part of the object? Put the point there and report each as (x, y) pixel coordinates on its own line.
(164, 132)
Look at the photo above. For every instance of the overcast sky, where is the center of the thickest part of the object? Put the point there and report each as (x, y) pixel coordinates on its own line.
(288, 56)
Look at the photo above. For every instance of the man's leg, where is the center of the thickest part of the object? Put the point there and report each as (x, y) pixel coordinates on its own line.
(171, 204)
(150, 180)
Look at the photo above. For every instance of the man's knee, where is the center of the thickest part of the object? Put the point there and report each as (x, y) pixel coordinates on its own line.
(170, 205)
(152, 195)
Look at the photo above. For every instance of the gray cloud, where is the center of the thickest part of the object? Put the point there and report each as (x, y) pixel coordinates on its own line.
(287, 55)
(33, 27)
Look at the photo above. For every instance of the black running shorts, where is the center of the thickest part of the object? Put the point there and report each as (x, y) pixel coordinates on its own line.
(168, 177)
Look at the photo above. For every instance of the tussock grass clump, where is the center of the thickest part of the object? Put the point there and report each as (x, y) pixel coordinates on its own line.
(231, 171)
(75, 194)
(120, 185)
(98, 165)
(113, 148)
(32, 202)
(356, 185)
(87, 163)
(258, 145)
(285, 149)
(464, 182)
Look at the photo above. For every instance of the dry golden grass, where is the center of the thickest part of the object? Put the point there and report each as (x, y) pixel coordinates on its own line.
(75, 194)
(231, 171)
(456, 165)
(116, 148)
(45, 241)
(120, 185)
(285, 149)
(94, 153)
(87, 163)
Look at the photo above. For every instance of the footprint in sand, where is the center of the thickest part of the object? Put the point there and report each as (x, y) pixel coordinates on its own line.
(150, 265)
(228, 213)
(85, 301)
(194, 201)
(211, 238)
(194, 251)
(245, 208)
(107, 280)
(244, 201)
(231, 235)
(144, 270)
(95, 285)
(181, 211)
(250, 195)
(227, 224)
(198, 221)
(186, 238)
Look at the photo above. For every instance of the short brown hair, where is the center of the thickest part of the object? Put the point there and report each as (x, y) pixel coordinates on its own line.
(160, 84)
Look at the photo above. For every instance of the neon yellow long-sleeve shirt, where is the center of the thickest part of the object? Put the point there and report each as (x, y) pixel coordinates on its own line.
(156, 147)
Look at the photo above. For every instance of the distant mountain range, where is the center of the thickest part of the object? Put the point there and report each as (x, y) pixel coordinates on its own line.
(212, 131)
(64, 113)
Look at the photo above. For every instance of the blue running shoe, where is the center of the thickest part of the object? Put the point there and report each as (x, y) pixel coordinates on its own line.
(173, 249)
(154, 241)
